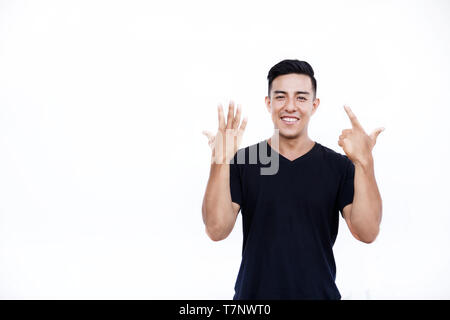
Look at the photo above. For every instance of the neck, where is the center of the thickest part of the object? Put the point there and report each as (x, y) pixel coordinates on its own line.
(292, 147)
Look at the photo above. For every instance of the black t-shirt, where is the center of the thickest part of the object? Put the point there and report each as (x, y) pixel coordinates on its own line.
(290, 222)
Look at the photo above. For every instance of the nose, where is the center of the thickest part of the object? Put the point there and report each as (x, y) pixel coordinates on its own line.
(290, 105)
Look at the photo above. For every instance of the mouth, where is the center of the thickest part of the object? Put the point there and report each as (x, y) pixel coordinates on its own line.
(290, 120)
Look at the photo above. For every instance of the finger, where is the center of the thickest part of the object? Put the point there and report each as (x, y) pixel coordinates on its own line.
(208, 134)
(376, 132)
(211, 137)
(346, 131)
(352, 117)
(340, 143)
(243, 125)
(230, 115)
(237, 118)
(211, 142)
(221, 117)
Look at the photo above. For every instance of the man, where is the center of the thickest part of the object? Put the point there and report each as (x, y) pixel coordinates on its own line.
(290, 218)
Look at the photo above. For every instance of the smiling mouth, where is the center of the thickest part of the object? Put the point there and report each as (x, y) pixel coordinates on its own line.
(289, 120)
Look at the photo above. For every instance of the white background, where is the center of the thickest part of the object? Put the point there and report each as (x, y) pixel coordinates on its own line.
(103, 165)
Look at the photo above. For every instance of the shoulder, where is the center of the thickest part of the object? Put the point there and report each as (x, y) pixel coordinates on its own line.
(333, 158)
(244, 154)
(256, 146)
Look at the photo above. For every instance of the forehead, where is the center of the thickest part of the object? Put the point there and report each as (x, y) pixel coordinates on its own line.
(292, 82)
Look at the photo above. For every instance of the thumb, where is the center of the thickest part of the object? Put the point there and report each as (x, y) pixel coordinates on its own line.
(375, 133)
(208, 134)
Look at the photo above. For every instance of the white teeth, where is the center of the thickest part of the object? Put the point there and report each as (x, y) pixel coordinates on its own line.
(289, 119)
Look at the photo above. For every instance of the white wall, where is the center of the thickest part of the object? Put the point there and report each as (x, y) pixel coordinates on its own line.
(103, 165)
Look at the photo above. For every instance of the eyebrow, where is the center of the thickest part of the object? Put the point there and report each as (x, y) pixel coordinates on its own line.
(296, 92)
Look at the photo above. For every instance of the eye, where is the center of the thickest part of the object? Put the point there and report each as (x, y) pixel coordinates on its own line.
(301, 98)
(279, 97)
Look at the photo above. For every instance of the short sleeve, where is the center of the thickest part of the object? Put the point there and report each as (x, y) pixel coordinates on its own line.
(346, 185)
(235, 182)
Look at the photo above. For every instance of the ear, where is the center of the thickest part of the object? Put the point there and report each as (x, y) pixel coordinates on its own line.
(269, 108)
(315, 105)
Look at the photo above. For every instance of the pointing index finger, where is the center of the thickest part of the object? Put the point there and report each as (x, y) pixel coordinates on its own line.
(352, 117)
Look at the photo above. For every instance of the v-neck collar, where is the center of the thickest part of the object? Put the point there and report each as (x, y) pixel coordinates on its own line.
(302, 157)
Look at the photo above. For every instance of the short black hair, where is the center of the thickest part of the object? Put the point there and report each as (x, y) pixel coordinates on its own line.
(292, 66)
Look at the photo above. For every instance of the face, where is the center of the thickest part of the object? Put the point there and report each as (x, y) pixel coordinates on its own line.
(291, 104)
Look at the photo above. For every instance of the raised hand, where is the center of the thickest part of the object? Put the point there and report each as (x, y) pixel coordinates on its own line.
(357, 144)
(225, 143)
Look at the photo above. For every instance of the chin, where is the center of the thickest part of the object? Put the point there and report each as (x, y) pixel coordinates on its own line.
(287, 134)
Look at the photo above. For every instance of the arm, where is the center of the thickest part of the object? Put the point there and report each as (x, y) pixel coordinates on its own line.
(363, 216)
(218, 211)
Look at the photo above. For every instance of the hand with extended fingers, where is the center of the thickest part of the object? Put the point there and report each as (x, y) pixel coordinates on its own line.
(357, 144)
(225, 143)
